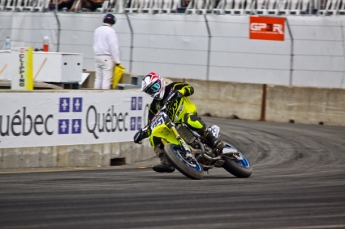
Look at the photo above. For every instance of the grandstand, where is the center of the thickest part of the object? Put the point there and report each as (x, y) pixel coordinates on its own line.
(218, 7)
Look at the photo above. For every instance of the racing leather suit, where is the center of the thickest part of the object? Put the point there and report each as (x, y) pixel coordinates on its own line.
(181, 110)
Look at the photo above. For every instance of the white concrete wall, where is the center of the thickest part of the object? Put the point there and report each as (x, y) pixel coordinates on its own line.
(97, 155)
(172, 45)
(236, 58)
(177, 46)
(319, 51)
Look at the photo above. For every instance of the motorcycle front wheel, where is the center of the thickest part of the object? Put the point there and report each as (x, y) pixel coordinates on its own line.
(186, 164)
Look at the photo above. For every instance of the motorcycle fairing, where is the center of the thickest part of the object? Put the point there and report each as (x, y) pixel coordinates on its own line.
(162, 131)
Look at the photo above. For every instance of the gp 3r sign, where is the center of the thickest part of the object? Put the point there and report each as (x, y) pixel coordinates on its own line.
(267, 28)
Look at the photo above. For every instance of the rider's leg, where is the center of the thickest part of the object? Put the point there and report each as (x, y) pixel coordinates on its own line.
(216, 143)
(196, 123)
(164, 166)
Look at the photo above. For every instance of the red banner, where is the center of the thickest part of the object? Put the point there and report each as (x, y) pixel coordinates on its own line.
(267, 28)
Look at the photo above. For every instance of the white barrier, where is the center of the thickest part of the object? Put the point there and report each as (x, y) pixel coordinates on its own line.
(70, 118)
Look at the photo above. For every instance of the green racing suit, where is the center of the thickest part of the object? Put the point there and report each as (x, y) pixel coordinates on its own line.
(181, 109)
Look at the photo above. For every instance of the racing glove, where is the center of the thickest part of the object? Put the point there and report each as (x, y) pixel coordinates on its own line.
(141, 134)
(138, 137)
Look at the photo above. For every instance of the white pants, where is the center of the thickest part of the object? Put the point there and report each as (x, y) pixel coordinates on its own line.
(104, 72)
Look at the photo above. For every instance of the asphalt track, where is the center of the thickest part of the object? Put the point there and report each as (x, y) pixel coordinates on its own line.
(298, 182)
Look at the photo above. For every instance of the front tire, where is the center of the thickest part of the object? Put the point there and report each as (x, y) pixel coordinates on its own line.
(188, 166)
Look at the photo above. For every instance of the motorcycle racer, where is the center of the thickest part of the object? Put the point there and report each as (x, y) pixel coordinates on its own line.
(180, 110)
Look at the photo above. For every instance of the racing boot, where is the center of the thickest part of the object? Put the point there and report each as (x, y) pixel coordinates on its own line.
(216, 144)
(164, 166)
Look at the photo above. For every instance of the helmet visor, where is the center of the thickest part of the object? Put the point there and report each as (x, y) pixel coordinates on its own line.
(153, 89)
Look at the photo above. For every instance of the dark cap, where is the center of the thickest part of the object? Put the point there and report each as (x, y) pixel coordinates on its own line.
(109, 18)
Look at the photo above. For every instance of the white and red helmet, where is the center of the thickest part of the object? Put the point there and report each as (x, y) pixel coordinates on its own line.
(153, 85)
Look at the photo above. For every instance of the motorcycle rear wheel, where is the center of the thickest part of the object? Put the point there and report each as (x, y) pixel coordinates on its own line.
(240, 169)
(189, 167)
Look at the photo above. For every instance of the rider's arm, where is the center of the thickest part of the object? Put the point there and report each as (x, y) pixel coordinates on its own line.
(152, 112)
(184, 89)
(145, 132)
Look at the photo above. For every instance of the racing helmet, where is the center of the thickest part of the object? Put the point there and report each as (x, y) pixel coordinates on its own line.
(153, 85)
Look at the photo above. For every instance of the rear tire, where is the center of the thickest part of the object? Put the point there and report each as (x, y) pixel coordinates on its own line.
(240, 169)
(236, 170)
(188, 167)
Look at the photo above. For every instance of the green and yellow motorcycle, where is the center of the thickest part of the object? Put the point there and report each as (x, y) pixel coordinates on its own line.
(189, 152)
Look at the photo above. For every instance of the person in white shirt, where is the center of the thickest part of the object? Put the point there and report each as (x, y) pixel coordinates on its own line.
(106, 49)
